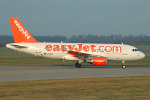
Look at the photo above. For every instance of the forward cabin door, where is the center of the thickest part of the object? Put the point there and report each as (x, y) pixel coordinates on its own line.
(38, 48)
(124, 50)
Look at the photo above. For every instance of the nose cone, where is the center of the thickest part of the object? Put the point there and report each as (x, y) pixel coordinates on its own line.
(141, 55)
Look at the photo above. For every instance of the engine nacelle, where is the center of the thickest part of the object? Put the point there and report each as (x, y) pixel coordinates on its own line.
(99, 61)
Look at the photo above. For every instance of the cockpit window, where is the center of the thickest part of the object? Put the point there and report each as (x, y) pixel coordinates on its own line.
(135, 50)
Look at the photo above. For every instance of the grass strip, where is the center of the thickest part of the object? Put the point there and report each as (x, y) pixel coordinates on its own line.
(120, 88)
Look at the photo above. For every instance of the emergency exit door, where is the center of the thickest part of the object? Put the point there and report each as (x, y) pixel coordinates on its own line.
(38, 48)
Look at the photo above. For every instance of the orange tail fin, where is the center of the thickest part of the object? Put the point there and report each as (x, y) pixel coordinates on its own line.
(20, 33)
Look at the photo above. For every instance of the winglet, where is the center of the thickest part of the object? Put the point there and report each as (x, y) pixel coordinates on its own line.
(20, 33)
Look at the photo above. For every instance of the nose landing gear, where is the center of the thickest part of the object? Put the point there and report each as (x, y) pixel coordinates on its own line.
(123, 65)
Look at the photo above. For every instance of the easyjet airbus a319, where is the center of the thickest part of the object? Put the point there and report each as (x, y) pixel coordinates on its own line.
(96, 54)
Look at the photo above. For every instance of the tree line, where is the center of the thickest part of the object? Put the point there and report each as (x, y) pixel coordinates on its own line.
(118, 39)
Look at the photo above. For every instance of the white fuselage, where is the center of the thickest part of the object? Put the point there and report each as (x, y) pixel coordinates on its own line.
(96, 54)
(118, 52)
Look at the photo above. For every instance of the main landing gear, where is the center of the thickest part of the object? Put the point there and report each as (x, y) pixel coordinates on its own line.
(123, 65)
(78, 65)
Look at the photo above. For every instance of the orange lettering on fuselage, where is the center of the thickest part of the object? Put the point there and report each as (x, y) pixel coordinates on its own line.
(56, 48)
(48, 47)
(63, 48)
(71, 47)
(79, 49)
(117, 48)
(92, 48)
(85, 48)
(101, 48)
(108, 49)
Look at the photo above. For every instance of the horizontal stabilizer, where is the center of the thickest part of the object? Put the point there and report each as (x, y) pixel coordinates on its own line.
(19, 47)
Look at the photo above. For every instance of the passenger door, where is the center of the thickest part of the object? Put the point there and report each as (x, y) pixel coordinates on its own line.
(124, 50)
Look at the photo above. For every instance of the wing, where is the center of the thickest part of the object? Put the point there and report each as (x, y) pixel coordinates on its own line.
(83, 55)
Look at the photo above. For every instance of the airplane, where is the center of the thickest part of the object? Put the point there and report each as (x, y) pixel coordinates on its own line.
(96, 54)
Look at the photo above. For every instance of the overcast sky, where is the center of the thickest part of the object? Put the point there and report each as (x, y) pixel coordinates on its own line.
(74, 17)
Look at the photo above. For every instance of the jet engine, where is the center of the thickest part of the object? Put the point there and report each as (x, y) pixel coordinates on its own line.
(99, 61)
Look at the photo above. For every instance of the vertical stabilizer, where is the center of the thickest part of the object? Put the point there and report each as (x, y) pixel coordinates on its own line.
(20, 33)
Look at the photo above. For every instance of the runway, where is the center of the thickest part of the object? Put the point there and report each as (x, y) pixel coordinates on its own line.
(19, 73)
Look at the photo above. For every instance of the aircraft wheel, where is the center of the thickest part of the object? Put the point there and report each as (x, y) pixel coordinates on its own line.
(78, 65)
(123, 66)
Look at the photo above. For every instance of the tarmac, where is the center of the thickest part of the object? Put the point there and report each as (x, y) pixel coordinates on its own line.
(20, 73)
